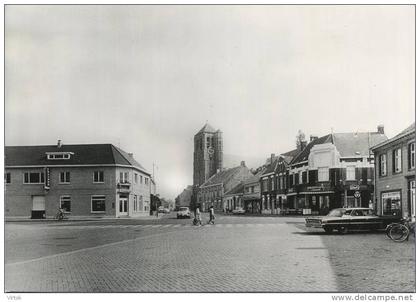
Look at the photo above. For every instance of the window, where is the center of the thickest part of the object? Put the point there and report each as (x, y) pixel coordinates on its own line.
(65, 177)
(146, 180)
(411, 155)
(391, 203)
(98, 204)
(98, 176)
(351, 173)
(58, 155)
(300, 177)
(33, 178)
(65, 203)
(136, 178)
(323, 174)
(382, 165)
(141, 179)
(396, 160)
(7, 178)
(135, 202)
(272, 183)
(304, 177)
(124, 177)
(141, 206)
(412, 197)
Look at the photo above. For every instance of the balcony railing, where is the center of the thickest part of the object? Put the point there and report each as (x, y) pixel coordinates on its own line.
(124, 187)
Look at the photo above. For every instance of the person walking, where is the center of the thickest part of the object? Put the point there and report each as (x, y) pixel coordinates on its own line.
(211, 213)
(197, 215)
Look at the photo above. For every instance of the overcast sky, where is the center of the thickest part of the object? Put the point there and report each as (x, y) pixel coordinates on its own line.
(146, 78)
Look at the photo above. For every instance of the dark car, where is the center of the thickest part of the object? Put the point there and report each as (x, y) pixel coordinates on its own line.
(345, 219)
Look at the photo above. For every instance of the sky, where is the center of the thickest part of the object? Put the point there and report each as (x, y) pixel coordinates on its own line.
(147, 78)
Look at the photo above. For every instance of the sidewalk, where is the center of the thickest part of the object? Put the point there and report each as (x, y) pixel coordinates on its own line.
(80, 218)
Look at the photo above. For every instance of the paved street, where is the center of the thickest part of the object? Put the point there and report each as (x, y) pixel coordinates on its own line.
(238, 254)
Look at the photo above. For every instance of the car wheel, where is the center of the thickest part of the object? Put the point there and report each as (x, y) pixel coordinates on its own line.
(343, 230)
(328, 230)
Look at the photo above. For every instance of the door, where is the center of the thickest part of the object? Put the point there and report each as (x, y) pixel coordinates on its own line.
(38, 207)
(123, 206)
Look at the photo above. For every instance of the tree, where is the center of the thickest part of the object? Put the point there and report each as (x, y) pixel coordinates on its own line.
(300, 137)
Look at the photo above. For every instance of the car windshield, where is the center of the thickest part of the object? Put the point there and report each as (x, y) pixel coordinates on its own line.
(336, 213)
(183, 209)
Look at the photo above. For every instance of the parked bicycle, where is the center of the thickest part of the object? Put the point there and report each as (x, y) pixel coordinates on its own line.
(400, 231)
(60, 214)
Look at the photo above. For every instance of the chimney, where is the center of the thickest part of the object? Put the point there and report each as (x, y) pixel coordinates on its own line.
(130, 154)
(59, 144)
(243, 163)
(313, 137)
(272, 158)
(381, 129)
(303, 145)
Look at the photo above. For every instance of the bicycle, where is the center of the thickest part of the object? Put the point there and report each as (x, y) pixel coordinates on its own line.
(400, 232)
(59, 215)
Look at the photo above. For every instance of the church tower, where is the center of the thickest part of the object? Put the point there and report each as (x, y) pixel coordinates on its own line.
(208, 154)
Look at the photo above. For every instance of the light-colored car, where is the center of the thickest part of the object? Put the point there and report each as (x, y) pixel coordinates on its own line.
(345, 219)
(238, 210)
(183, 212)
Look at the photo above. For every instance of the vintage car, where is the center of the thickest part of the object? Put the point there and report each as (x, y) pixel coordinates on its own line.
(238, 210)
(345, 219)
(183, 212)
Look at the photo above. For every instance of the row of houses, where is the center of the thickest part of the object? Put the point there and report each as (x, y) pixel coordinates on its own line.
(84, 180)
(362, 169)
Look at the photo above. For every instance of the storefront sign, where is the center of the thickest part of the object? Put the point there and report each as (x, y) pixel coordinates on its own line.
(47, 178)
(314, 188)
(354, 187)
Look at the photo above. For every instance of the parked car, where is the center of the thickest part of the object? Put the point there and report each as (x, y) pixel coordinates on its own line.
(183, 212)
(238, 210)
(166, 210)
(345, 219)
(161, 209)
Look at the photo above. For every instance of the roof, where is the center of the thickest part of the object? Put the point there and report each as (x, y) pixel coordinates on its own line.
(89, 154)
(271, 166)
(356, 144)
(253, 178)
(207, 128)
(406, 131)
(347, 144)
(239, 188)
(304, 154)
(223, 176)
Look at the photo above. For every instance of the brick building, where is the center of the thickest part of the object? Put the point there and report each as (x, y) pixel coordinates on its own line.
(213, 190)
(84, 180)
(395, 174)
(184, 199)
(333, 171)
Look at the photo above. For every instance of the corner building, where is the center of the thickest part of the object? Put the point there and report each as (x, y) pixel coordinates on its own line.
(96, 180)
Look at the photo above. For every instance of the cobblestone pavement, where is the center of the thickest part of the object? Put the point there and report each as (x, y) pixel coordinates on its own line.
(238, 254)
(369, 262)
(221, 258)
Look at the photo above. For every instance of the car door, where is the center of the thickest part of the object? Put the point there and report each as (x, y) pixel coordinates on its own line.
(358, 220)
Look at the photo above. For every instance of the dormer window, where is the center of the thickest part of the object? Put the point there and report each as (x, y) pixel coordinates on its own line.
(59, 155)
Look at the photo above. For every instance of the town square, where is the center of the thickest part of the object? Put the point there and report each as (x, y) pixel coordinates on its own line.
(210, 149)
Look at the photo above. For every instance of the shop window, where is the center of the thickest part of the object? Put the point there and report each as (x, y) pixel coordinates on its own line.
(65, 177)
(391, 203)
(33, 178)
(65, 203)
(98, 176)
(411, 155)
(396, 160)
(382, 165)
(98, 204)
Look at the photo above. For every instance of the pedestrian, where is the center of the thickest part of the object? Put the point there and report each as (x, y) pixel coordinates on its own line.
(211, 213)
(197, 215)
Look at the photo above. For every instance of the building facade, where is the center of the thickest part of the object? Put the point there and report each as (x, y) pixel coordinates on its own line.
(83, 180)
(184, 199)
(333, 171)
(252, 194)
(395, 174)
(211, 192)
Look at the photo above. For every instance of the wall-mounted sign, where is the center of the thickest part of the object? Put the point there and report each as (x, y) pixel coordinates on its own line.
(47, 178)
(314, 188)
(354, 187)
(357, 194)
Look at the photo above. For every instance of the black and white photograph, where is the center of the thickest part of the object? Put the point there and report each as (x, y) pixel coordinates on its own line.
(197, 148)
